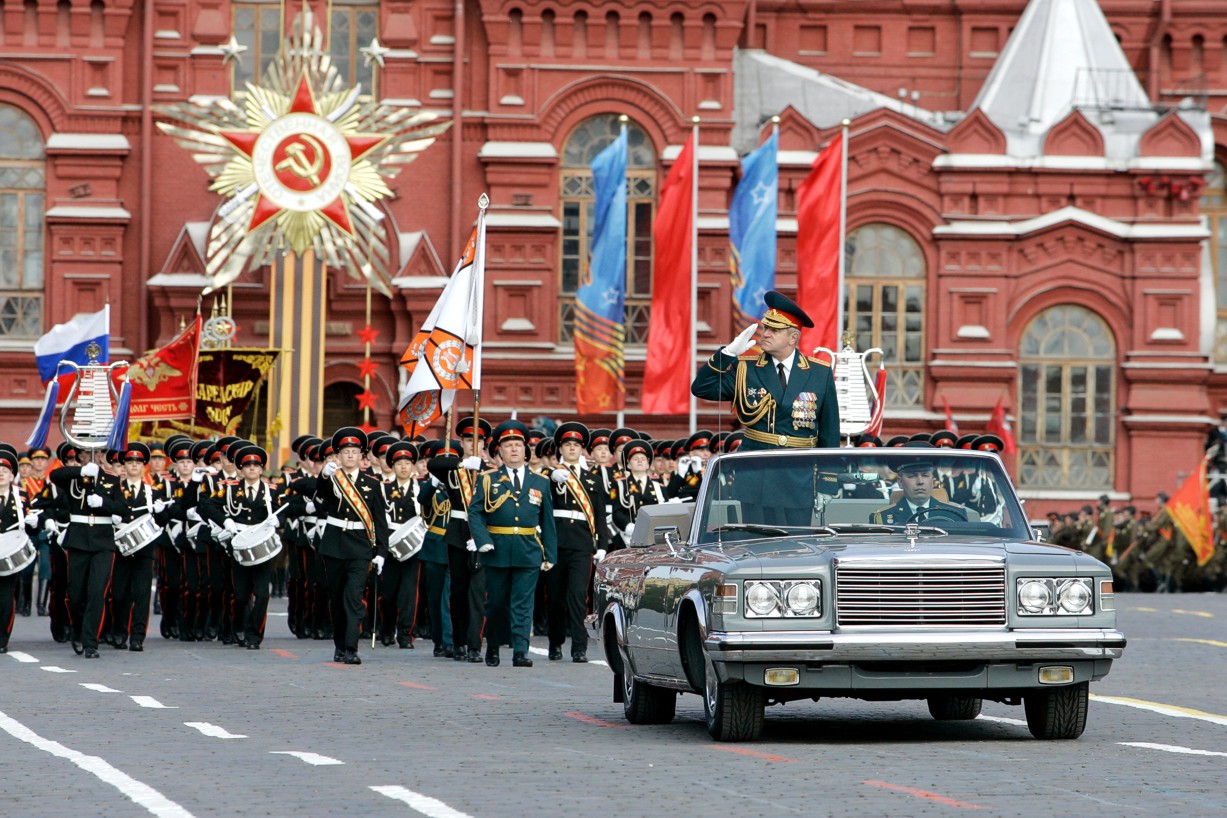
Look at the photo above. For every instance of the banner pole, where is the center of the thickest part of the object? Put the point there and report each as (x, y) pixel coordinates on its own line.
(694, 269)
(843, 234)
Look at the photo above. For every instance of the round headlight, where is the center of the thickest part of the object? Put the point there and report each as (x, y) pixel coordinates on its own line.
(761, 599)
(801, 599)
(1034, 596)
(1075, 597)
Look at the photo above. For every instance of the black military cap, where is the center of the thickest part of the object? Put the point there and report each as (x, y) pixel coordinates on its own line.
(201, 448)
(113, 457)
(545, 447)
(783, 313)
(8, 457)
(575, 431)
(533, 436)
(431, 448)
(296, 444)
(223, 444)
(734, 441)
(636, 447)
(717, 442)
(249, 455)
(868, 441)
(920, 437)
(67, 451)
(312, 450)
(699, 440)
(379, 442)
(179, 449)
(136, 451)
(348, 436)
(944, 439)
(965, 442)
(401, 450)
(619, 436)
(678, 448)
(599, 437)
(465, 426)
(988, 443)
(896, 441)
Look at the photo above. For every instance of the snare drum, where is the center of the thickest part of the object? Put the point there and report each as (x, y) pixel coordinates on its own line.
(407, 539)
(132, 537)
(255, 545)
(16, 551)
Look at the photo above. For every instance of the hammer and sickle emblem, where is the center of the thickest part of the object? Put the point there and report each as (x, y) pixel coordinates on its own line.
(297, 163)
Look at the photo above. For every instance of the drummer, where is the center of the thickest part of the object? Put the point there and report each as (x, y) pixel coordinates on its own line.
(13, 520)
(133, 574)
(398, 586)
(238, 506)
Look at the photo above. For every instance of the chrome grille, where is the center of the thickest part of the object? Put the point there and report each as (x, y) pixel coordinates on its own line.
(956, 595)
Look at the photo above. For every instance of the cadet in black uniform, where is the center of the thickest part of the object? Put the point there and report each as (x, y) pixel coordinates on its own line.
(636, 489)
(13, 517)
(133, 574)
(398, 586)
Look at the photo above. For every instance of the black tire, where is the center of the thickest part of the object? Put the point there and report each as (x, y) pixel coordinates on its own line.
(1057, 712)
(646, 704)
(734, 710)
(954, 708)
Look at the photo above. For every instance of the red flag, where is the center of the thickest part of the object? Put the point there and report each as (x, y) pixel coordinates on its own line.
(667, 370)
(998, 425)
(818, 206)
(950, 422)
(879, 404)
(164, 380)
(1189, 509)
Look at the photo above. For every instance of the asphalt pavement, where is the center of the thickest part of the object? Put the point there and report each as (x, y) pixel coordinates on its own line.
(203, 729)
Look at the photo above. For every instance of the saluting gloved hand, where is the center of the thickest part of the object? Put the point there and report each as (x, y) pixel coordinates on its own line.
(472, 463)
(89, 470)
(94, 501)
(560, 475)
(487, 548)
(600, 554)
(329, 470)
(310, 506)
(32, 519)
(742, 342)
(470, 546)
(378, 563)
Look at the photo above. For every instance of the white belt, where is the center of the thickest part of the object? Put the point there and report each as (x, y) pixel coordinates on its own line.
(570, 515)
(459, 515)
(89, 520)
(346, 525)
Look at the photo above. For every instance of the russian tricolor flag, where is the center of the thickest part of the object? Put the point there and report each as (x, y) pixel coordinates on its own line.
(68, 342)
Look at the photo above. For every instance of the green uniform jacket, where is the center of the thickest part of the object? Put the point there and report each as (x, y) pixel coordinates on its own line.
(496, 505)
(901, 512)
(806, 409)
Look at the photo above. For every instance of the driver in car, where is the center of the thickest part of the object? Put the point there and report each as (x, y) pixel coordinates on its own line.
(917, 480)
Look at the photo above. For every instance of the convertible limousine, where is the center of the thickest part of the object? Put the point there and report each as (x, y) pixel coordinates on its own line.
(875, 574)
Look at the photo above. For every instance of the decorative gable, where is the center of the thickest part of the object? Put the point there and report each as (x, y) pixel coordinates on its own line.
(976, 134)
(796, 132)
(1170, 136)
(1074, 136)
(186, 256)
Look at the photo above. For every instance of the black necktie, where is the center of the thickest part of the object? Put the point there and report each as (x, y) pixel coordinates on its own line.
(783, 377)
(515, 479)
(251, 493)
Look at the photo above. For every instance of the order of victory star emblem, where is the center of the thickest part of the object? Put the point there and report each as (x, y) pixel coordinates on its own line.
(302, 161)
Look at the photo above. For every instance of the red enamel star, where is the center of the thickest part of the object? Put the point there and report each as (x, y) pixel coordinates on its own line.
(366, 400)
(336, 211)
(368, 335)
(367, 368)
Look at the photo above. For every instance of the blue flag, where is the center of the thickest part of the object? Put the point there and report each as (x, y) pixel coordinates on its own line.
(600, 329)
(752, 231)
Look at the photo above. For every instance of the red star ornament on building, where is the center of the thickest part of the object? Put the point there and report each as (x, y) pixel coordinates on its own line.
(368, 335)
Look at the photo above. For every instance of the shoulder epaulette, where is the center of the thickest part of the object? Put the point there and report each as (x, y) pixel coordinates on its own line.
(818, 361)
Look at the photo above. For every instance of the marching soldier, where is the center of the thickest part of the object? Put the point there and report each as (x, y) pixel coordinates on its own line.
(14, 517)
(579, 503)
(95, 506)
(637, 489)
(513, 523)
(436, 508)
(355, 536)
(399, 582)
(32, 486)
(133, 574)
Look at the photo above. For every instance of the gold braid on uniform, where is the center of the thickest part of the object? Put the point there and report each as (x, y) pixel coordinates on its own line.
(746, 413)
(439, 507)
(486, 485)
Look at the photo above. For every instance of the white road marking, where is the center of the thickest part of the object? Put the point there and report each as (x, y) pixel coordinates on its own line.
(314, 759)
(140, 793)
(1171, 748)
(1002, 719)
(432, 807)
(212, 730)
(150, 701)
(24, 658)
(98, 688)
(54, 669)
(1162, 709)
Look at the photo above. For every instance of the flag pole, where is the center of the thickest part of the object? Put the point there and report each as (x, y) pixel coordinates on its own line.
(620, 419)
(843, 234)
(694, 268)
(474, 333)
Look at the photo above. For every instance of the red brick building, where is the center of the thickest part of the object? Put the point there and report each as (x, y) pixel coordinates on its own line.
(1038, 220)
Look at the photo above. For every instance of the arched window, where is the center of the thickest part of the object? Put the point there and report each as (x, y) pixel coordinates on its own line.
(1214, 208)
(885, 278)
(22, 207)
(1066, 434)
(582, 146)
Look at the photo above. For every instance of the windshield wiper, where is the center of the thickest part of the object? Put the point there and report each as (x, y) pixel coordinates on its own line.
(776, 530)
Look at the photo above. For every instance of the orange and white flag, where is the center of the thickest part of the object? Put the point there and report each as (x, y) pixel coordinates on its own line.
(445, 355)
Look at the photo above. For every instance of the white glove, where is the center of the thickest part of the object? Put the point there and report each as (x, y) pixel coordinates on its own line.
(116, 520)
(328, 470)
(560, 475)
(89, 470)
(742, 342)
(470, 546)
(436, 482)
(160, 505)
(230, 525)
(94, 501)
(198, 474)
(378, 563)
(32, 519)
(545, 566)
(310, 506)
(472, 463)
(193, 515)
(488, 547)
(683, 465)
(626, 532)
(583, 463)
(600, 554)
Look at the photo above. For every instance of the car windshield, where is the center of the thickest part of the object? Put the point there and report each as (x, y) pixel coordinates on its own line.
(856, 491)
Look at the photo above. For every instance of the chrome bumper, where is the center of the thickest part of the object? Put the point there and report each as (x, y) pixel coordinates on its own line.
(927, 646)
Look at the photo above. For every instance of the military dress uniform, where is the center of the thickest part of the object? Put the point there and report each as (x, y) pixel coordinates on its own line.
(92, 498)
(13, 517)
(435, 507)
(355, 533)
(514, 530)
(133, 574)
(632, 493)
(398, 585)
